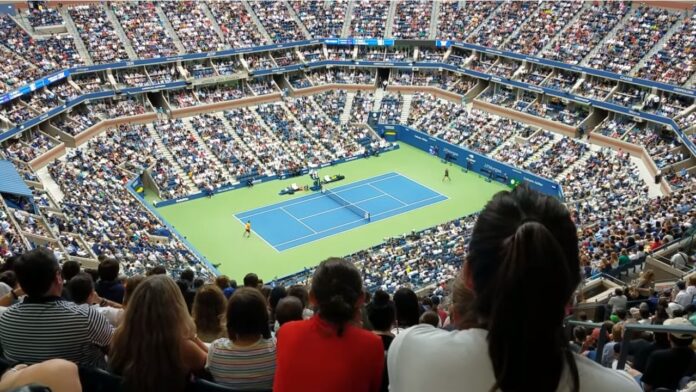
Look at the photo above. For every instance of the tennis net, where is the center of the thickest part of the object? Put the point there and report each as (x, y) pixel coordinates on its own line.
(355, 209)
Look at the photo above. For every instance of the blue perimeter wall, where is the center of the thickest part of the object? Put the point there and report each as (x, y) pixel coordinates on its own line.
(477, 162)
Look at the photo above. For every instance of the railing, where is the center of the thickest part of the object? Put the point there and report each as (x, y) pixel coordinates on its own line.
(569, 324)
(46, 81)
(629, 328)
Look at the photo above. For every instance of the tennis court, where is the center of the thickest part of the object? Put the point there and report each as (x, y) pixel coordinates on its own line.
(309, 218)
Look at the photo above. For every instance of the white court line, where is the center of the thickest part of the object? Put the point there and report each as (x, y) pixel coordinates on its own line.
(367, 183)
(299, 220)
(314, 197)
(359, 220)
(258, 235)
(424, 186)
(335, 209)
(387, 194)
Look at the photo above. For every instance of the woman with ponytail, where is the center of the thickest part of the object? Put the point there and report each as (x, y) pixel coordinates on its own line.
(523, 243)
(329, 352)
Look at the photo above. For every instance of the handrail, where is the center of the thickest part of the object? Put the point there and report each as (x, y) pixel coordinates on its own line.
(46, 81)
(628, 328)
(568, 322)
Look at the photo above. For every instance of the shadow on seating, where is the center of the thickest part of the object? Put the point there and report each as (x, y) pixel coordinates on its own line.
(201, 385)
(99, 380)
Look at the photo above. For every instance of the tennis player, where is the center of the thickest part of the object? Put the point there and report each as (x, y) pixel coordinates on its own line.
(247, 229)
(446, 177)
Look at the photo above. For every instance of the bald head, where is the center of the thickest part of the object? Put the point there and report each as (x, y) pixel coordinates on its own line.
(289, 309)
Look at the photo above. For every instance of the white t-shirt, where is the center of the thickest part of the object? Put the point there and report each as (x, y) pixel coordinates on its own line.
(425, 358)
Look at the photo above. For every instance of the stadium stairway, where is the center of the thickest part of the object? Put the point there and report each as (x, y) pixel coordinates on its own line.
(72, 29)
(406, 108)
(238, 139)
(434, 20)
(485, 22)
(170, 30)
(50, 185)
(377, 105)
(213, 157)
(388, 33)
(619, 27)
(111, 15)
(214, 23)
(192, 188)
(256, 20)
(689, 83)
(349, 17)
(585, 6)
(298, 20)
(659, 45)
(347, 109)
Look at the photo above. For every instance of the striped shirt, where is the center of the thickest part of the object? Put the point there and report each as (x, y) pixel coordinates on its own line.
(250, 367)
(36, 330)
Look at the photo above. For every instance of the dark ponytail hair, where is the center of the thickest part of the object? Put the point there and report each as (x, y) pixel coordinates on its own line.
(337, 288)
(524, 241)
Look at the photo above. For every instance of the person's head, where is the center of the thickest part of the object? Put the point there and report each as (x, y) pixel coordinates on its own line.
(681, 285)
(251, 280)
(80, 288)
(618, 292)
(680, 339)
(380, 311)
(692, 280)
(38, 273)
(337, 292)
(300, 292)
(579, 334)
(108, 270)
(9, 277)
(522, 241)
(222, 282)
(621, 313)
(208, 309)
(187, 275)
(288, 309)
(130, 286)
(407, 308)
(146, 348)
(430, 317)
(157, 270)
(247, 317)
(69, 269)
(277, 293)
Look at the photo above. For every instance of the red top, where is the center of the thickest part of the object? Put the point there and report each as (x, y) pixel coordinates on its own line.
(312, 357)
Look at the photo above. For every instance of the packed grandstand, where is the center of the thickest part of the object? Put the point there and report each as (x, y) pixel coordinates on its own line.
(190, 99)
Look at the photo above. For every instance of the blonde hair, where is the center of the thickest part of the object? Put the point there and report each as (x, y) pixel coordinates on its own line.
(146, 348)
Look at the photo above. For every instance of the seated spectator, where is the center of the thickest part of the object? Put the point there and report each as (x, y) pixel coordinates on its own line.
(304, 346)
(28, 330)
(380, 313)
(246, 360)
(430, 318)
(521, 237)
(81, 289)
(209, 312)
(617, 301)
(407, 309)
(156, 347)
(109, 286)
(666, 368)
(289, 309)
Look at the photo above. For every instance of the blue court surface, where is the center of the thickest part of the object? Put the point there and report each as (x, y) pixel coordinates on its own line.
(309, 218)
